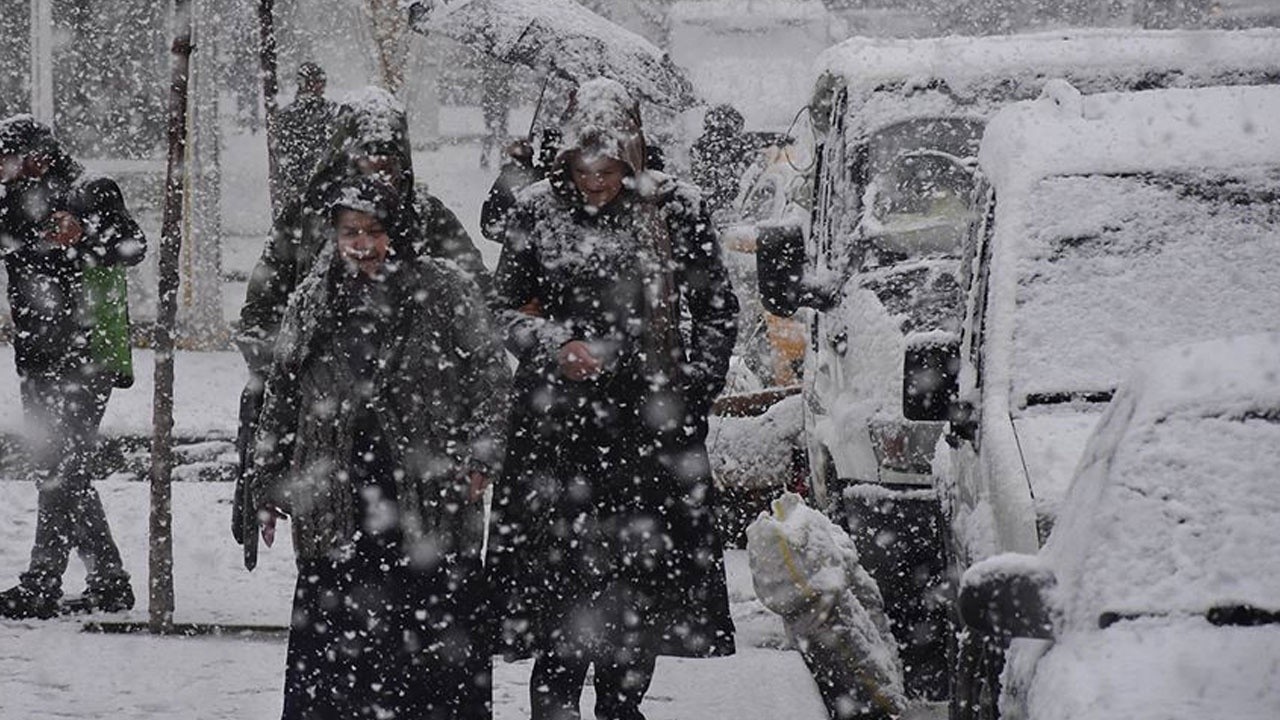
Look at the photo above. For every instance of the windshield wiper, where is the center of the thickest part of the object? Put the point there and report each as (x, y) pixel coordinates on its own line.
(1219, 615)
(1062, 398)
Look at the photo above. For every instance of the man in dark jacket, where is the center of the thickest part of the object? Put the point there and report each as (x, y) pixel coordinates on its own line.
(54, 229)
(370, 138)
(303, 128)
(618, 307)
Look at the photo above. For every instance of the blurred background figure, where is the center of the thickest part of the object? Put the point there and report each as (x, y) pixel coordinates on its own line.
(304, 128)
(720, 155)
(64, 241)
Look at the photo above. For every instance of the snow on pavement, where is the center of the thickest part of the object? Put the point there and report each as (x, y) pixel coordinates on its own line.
(51, 669)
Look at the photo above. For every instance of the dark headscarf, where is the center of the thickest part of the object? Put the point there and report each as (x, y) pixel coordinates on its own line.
(24, 135)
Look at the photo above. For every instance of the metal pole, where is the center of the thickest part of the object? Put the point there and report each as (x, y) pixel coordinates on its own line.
(270, 89)
(160, 600)
(42, 61)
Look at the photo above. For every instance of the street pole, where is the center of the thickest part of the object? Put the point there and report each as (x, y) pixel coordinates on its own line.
(160, 558)
(42, 61)
(270, 89)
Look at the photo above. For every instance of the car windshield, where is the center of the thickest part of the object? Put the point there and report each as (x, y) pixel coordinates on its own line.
(919, 198)
(1113, 267)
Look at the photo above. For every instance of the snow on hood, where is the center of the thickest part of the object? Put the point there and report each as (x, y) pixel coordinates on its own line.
(378, 115)
(1175, 505)
(1158, 130)
(1226, 376)
(1160, 670)
(603, 118)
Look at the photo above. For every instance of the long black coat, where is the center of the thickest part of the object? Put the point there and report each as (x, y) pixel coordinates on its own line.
(603, 516)
(439, 396)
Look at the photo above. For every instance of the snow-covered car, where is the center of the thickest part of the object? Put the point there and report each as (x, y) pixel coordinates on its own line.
(1157, 594)
(896, 197)
(1115, 224)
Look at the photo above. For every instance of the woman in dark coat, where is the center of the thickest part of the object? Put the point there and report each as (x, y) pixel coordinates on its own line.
(381, 425)
(617, 305)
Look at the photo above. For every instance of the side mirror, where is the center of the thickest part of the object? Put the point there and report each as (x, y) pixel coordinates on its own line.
(780, 259)
(1007, 596)
(930, 371)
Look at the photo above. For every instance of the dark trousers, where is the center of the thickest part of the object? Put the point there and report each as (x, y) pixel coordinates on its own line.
(622, 678)
(373, 638)
(64, 410)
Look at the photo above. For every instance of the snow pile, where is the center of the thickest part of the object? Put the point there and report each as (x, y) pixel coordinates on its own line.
(1174, 509)
(755, 452)
(805, 568)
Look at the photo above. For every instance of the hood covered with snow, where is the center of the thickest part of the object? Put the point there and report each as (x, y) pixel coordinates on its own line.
(604, 120)
(1159, 669)
(1174, 510)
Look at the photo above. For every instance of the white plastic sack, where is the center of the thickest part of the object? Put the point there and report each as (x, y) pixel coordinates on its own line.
(805, 568)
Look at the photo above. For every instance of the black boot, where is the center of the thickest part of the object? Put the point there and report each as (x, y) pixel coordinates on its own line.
(110, 596)
(25, 602)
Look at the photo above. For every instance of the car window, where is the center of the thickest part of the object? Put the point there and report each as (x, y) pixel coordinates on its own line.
(1113, 267)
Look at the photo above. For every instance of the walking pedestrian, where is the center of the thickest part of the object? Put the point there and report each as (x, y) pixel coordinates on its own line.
(370, 138)
(381, 427)
(62, 237)
(302, 130)
(618, 307)
(720, 155)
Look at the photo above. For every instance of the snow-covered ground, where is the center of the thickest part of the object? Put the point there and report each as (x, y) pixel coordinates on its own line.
(52, 669)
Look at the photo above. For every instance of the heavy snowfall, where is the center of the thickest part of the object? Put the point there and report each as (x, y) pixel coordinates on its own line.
(626, 359)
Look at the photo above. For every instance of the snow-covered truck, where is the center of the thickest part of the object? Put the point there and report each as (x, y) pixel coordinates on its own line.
(897, 194)
(1113, 225)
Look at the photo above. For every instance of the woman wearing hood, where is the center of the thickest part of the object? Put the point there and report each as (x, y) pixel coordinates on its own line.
(370, 139)
(617, 305)
(381, 426)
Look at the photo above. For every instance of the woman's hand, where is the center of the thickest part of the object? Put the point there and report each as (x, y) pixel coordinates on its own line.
(477, 483)
(267, 518)
(64, 229)
(577, 363)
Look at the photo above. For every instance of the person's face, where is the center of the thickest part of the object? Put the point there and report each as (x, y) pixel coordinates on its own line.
(386, 168)
(599, 179)
(362, 241)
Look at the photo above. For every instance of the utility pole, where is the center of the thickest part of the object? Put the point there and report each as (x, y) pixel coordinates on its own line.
(160, 558)
(42, 61)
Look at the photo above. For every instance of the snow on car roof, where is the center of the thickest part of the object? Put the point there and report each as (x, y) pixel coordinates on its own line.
(1174, 507)
(1065, 133)
(964, 62)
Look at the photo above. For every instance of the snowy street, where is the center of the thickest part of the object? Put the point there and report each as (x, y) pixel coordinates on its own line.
(51, 669)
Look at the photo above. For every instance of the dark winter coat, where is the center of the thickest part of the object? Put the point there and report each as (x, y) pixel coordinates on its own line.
(301, 229)
(720, 155)
(438, 397)
(51, 317)
(603, 517)
(303, 132)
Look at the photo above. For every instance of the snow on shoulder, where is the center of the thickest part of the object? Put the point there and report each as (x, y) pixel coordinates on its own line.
(1062, 133)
